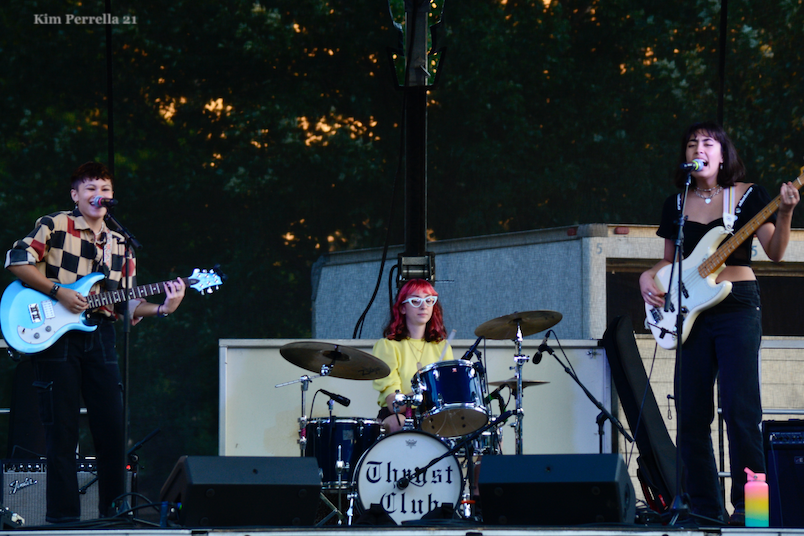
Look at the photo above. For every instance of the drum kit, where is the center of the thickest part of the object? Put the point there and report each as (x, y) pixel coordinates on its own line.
(415, 471)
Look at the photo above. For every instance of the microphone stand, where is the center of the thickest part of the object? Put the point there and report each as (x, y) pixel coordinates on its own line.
(131, 243)
(680, 508)
(604, 413)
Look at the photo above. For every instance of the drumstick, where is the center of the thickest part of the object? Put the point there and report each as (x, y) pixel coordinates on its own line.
(449, 341)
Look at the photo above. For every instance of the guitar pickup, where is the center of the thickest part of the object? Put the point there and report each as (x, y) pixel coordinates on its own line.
(656, 314)
(41, 311)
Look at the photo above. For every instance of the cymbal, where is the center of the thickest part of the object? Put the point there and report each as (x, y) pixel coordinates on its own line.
(530, 322)
(511, 383)
(346, 362)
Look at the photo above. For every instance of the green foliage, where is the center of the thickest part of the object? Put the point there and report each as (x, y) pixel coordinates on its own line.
(260, 135)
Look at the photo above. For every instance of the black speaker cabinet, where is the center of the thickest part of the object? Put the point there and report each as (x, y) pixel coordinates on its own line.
(236, 491)
(25, 489)
(784, 461)
(556, 489)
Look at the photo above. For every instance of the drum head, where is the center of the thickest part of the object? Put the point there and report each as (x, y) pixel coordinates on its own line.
(384, 468)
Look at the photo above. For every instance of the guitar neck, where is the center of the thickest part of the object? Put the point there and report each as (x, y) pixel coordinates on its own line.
(116, 296)
(711, 265)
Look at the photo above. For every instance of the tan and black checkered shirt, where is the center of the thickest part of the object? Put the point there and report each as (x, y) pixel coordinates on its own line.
(65, 249)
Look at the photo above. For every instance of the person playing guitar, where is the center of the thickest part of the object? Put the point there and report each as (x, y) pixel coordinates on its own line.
(62, 248)
(725, 338)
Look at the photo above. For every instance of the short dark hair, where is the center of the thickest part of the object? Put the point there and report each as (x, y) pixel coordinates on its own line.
(733, 168)
(89, 171)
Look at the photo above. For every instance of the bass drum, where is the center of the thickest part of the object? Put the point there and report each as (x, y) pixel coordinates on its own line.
(397, 456)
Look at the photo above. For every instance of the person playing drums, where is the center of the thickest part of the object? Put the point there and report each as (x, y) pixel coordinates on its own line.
(414, 338)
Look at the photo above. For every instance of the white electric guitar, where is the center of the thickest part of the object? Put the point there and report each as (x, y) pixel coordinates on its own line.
(32, 321)
(701, 268)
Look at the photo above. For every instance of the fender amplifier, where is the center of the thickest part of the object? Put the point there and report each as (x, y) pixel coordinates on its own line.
(25, 487)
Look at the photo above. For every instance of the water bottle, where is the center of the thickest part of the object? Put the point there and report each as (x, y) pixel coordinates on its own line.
(756, 500)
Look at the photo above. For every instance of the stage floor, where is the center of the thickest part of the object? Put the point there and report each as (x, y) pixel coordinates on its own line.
(467, 530)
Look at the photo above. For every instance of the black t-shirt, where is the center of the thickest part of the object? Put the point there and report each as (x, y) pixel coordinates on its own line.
(749, 205)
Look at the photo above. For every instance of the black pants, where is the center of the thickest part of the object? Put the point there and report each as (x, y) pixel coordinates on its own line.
(724, 342)
(81, 363)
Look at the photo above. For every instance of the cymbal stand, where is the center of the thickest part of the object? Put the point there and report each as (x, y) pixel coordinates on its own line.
(519, 360)
(305, 385)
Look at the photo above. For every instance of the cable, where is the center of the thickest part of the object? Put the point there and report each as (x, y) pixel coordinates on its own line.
(358, 331)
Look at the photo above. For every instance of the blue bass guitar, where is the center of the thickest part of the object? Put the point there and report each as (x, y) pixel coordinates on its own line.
(32, 321)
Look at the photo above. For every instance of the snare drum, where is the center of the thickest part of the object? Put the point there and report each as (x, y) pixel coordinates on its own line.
(453, 401)
(398, 456)
(339, 444)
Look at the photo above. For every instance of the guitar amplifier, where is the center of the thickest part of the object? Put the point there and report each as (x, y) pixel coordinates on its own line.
(25, 489)
(784, 460)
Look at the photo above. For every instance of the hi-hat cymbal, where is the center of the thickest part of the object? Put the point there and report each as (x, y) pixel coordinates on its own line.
(530, 322)
(346, 362)
(511, 383)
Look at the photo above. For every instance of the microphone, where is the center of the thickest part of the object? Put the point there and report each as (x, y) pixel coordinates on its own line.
(342, 400)
(472, 349)
(695, 165)
(542, 348)
(102, 202)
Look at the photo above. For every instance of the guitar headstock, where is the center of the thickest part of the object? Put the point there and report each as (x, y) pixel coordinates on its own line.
(205, 281)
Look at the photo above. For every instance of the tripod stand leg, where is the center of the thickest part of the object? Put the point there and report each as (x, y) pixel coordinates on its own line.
(334, 512)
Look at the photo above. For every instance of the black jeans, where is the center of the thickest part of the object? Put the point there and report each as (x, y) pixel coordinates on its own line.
(81, 363)
(724, 341)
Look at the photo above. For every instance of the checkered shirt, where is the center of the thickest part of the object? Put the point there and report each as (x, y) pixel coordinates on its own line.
(65, 249)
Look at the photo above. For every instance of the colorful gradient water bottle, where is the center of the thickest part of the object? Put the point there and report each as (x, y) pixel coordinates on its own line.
(756, 500)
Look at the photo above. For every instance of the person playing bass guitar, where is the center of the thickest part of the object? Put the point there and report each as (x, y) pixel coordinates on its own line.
(724, 340)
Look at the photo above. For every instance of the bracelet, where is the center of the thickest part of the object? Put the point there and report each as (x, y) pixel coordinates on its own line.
(54, 291)
(159, 313)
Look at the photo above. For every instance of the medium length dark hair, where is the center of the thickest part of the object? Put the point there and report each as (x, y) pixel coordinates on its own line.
(397, 329)
(733, 170)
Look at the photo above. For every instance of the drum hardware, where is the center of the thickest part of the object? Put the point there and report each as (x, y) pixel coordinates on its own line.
(516, 327)
(334, 511)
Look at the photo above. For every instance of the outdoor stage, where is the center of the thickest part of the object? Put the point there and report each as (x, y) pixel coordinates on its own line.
(462, 530)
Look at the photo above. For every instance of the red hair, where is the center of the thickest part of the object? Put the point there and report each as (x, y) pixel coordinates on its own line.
(397, 329)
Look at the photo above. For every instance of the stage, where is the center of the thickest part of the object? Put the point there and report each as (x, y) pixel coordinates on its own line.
(462, 530)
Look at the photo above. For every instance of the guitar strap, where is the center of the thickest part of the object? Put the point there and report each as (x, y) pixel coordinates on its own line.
(728, 210)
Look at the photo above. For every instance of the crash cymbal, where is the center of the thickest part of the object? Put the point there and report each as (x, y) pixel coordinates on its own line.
(530, 322)
(511, 383)
(346, 362)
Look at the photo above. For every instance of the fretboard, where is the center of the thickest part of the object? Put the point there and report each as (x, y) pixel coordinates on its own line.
(116, 296)
(710, 265)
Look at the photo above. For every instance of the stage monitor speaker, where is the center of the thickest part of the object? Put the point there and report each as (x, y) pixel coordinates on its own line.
(236, 491)
(784, 460)
(556, 489)
(25, 489)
